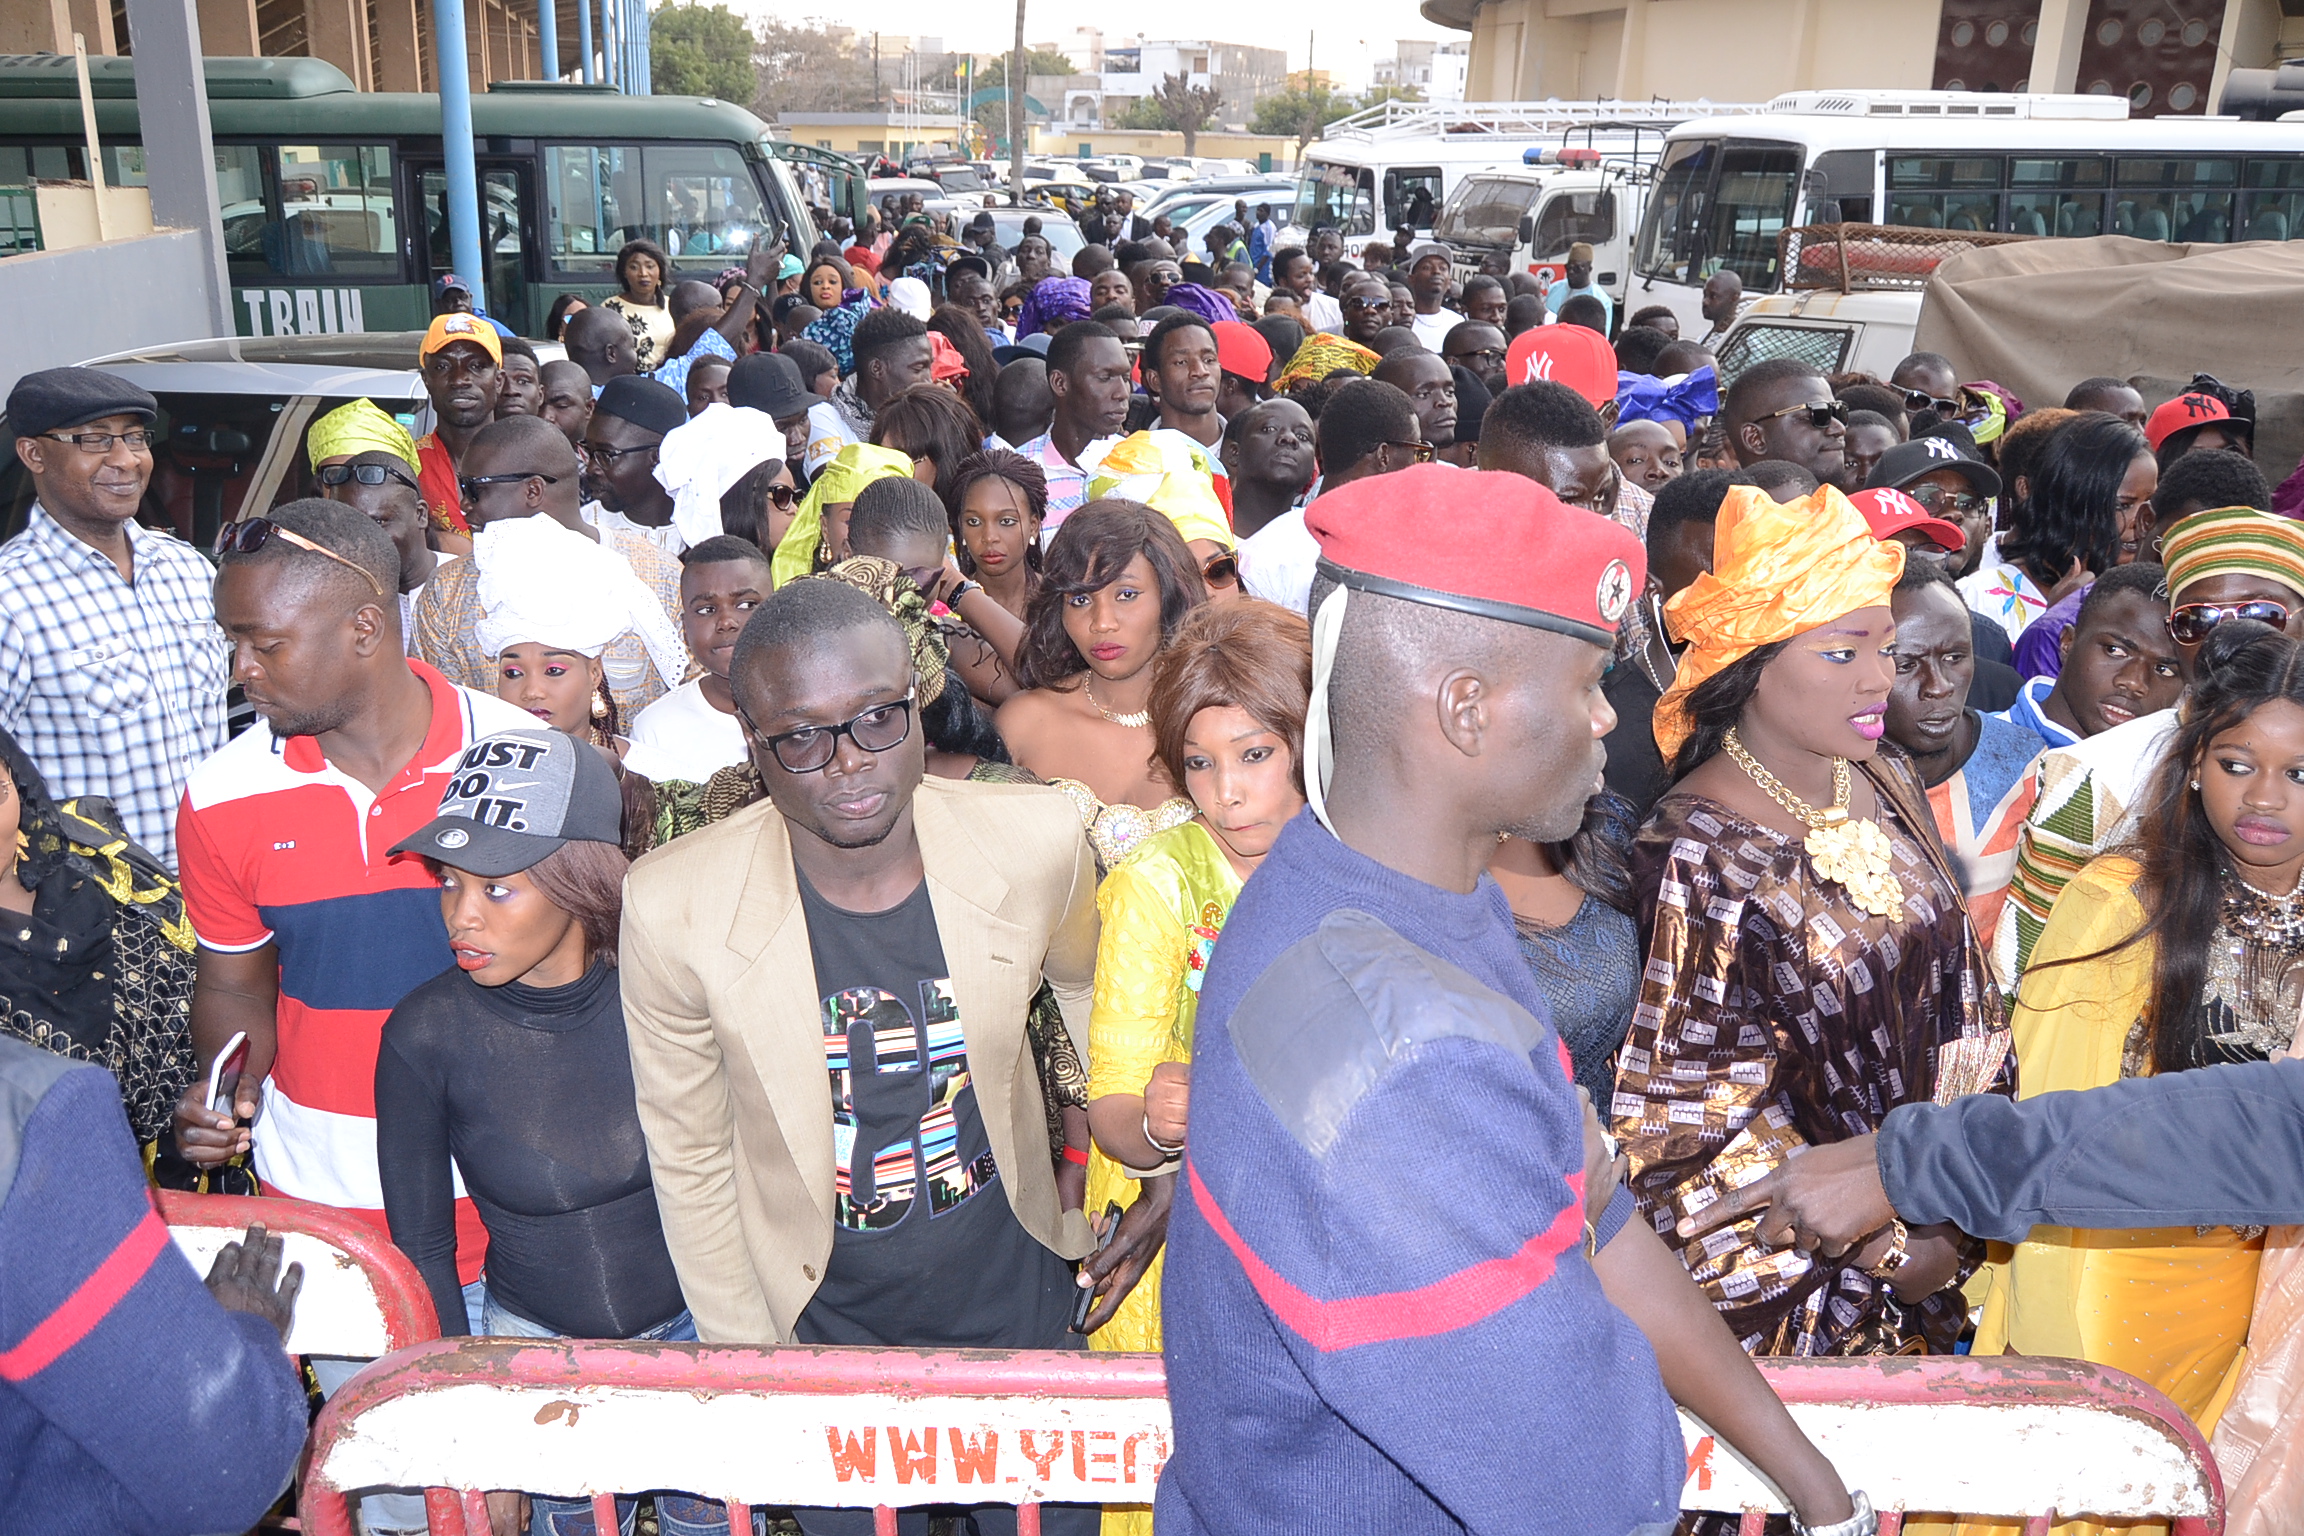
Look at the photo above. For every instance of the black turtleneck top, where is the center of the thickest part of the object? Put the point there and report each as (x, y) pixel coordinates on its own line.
(527, 1091)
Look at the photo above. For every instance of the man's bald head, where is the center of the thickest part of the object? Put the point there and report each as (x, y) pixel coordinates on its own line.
(521, 445)
(599, 342)
(688, 297)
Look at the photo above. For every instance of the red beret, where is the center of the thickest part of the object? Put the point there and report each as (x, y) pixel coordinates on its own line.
(1241, 349)
(1564, 354)
(1481, 542)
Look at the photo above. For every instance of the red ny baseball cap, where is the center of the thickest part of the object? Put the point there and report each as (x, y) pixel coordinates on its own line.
(1889, 512)
(1242, 350)
(1564, 354)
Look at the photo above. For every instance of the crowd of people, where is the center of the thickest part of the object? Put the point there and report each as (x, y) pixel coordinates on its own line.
(1346, 822)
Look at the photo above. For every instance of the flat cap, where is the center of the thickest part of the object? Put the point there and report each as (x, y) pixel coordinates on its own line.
(647, 404)
(56, 398)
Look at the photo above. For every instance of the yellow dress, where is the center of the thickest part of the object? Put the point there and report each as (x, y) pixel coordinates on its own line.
(1162, 907)
(2166, 1305)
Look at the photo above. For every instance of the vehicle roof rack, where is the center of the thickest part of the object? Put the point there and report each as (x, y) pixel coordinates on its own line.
(1517, 119)
(1948, 104)
(1863, 258)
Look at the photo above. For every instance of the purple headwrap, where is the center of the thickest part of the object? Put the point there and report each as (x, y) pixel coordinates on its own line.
(1054, 302)
(1207, 303)
(1644, 397)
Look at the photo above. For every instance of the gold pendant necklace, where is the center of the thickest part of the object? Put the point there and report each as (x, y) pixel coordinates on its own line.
(1853, 853)
(1135, 721)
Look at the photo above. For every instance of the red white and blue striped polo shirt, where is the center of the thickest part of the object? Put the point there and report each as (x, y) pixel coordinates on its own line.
(279, 846)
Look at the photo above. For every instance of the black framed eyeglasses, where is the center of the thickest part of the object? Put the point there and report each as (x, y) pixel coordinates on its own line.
(810, 749)
(1821, 413)
(601, 453)
(252, 534)
(1921, 400)
(1938, 499)
(1490, 355)
(366, 474)
(469, 486)
(138, 439)
(2192, 623)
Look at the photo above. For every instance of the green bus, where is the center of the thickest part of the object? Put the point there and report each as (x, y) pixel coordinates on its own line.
(335, 200)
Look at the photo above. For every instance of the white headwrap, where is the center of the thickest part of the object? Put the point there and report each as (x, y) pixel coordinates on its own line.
(701, 458)
(545, 584)
(911, 295)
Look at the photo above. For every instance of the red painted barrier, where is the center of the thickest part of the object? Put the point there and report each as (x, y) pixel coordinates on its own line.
(2007, 1437)
(361, 1297)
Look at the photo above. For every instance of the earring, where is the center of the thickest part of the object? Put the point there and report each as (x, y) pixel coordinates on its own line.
(599, 705)
(2195, 783)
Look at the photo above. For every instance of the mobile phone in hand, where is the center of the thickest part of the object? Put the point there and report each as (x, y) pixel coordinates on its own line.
(1085, 1302)
(233, 1059)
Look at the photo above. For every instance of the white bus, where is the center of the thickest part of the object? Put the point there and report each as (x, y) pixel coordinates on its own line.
(1953, 160)
(1393, 165)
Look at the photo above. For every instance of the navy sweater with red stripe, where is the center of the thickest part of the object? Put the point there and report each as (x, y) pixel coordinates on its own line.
(130, 1401)
(1377, 1308)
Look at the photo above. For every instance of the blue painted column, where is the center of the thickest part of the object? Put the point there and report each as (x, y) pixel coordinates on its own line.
(584, 36)
(548, 24)
(453, 67)
(646, 84)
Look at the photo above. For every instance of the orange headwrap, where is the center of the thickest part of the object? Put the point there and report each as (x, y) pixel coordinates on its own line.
(1778, 568)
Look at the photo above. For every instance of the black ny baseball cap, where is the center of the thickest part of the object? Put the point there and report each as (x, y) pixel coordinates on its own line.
(517, 797)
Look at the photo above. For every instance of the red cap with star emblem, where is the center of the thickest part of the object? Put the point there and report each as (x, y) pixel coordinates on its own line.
(1564, 354)
(1889, 512)
(1480, 542)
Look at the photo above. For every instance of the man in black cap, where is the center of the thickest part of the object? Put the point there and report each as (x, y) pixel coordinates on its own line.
(968, 284)
(112, 669)
(628, 425)
(771, 382)
(1947, 482)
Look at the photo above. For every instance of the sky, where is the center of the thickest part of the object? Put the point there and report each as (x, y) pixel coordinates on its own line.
(1350, 35)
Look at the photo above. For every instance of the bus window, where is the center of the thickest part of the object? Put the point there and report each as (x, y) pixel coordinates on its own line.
(1751, 207)
(1487, 210)
(1574, 216)
(1412, 197)
(335, 212)
(698, 201)
(1668, 234)
(2063, 198)
(1944, 192)
(240, 192)
(2274, 206)
(2180, 200)
(1339, 195)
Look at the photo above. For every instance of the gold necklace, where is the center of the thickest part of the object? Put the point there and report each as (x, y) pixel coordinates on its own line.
(1135, 721)
(1846, 850)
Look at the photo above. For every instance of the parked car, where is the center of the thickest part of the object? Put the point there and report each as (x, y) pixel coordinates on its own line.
(1061, 230)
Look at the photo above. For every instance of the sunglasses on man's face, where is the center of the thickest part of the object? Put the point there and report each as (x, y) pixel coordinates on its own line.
(2192, 623)
(1821, 413)
(1418, 453)
(366, 474)
(1921, 400)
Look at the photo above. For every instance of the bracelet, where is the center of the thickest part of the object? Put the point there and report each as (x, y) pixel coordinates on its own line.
(1158, 1145)
(962, 591)
(1898, 1255)
(1076, 1155)
(1862, 1523)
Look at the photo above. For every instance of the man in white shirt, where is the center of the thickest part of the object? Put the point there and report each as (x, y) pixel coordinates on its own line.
(1429, 273)
(1577, 282)
(1366, 428)
(692, 732)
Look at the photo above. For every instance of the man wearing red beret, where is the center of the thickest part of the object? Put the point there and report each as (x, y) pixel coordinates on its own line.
(1401, 1273)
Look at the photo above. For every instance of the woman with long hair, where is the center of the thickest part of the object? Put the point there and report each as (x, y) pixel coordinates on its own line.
(643, 277)
(959, 327)
(935, 429)
(1809, 963)
(1228, 702)
(1112, 591)
(2182, 949)
(2087, 508)
(999, 501)
(1572, 908)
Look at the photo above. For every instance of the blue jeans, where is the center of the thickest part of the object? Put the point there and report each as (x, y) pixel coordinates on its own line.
(676, 1513)
(387, 1514)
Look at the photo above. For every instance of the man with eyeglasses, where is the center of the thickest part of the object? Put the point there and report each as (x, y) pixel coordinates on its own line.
(367, 460)
(878, 934)
(1928, 383)
(1781, 408)
(1480, 347)
(627, 428)
(1366, 306)
(112, 669)
(2231, 563)
(523, 467)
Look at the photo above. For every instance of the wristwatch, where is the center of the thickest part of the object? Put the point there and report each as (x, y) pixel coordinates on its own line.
(1891, 1263)
(961, 591)
(1862, 1523)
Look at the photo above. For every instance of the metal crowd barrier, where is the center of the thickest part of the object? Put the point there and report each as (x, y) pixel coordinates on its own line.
(2006, 1437)
(361, 1297)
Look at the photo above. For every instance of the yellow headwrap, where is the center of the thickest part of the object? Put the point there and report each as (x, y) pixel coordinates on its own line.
(1321, 355)
(1778, 569)
(360, 427)
(852, 468)
(1168, 472)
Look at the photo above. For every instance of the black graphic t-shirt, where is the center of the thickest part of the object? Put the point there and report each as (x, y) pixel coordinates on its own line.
(925, 1250)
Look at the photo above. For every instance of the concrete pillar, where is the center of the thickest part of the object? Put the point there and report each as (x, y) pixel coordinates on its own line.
(227, 27)
(92, 19)
(1632, 58)
(1801, 55)
(2056, 54)
(2250, 40)
(179, 153)
(337, 30)
(399, 61)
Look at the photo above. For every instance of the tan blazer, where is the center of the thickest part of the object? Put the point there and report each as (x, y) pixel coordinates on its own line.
(721, 1006)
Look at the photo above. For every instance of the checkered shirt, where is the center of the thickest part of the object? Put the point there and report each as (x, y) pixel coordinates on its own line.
(112, 687)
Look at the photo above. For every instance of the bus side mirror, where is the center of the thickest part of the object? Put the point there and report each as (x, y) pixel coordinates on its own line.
(1526, 233)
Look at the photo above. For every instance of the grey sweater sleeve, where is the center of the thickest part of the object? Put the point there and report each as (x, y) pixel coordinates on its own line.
(2218, 1146)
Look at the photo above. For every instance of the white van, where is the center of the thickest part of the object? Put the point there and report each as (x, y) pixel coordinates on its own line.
(1530, 215)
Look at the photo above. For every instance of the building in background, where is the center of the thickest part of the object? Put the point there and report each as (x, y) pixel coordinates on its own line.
(1117, 73)
(2163, 55)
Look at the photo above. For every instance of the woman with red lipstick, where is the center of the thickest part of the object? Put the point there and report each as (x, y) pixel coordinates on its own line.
(1810, 964)
(1112, 591)
(2183, 949)
(1228, 702)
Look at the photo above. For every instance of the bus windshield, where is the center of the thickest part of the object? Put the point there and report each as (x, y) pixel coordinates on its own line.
(1487, 210)
(1339, 195)
(697, 201)
(1719, 204)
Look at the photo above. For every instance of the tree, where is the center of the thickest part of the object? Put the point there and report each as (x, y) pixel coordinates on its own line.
(1037, 61)
(1186, 108)
(812, 68)
(1300, 114)
(701, 50)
